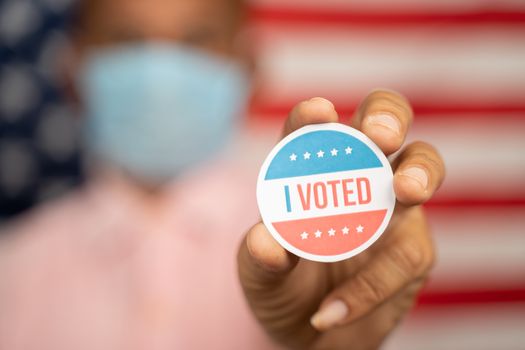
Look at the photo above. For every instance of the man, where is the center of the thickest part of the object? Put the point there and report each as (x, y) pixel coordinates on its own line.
(144, 256)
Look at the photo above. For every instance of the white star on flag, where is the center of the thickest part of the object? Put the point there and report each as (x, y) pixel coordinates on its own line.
(334, 152)
(345, 230)
(320, 154)
(304, 235)
(306, 155)
(348, 150)
(331, 232)
(318, 234)
(359, 229)
(293, 157)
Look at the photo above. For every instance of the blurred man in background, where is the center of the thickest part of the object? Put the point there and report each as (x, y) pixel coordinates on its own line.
(145, 255)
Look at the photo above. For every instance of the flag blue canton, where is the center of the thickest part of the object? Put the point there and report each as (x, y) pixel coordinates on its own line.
(39, 146)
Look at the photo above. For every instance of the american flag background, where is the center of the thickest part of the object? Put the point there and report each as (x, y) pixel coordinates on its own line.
(462, 65)
(460, 62)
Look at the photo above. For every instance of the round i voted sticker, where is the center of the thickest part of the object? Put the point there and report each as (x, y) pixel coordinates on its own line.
(325, 192)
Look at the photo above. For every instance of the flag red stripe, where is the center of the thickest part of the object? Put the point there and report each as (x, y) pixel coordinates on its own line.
(319, 16)
(429, 297)
(474, 110)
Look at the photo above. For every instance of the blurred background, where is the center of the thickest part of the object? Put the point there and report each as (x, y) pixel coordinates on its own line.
(39, 154)
(460, 62)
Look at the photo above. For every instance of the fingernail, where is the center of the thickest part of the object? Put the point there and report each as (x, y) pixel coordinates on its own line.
(417, 174)
(322, 104)
(322, 100)
(384, 120)
(329, 315)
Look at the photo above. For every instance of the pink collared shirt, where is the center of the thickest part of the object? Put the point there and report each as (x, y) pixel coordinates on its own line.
(107, 268)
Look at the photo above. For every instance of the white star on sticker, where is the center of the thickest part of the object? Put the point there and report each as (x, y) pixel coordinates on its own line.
(345, 230)
(334, 152)
(331, 232)
(306, 155)
(320, 154)
(318, 234)
(348, 150)
(359, 229)
(304, 235)
(293, 157)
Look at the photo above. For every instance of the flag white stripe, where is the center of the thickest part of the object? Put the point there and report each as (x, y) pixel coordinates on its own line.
(478, 248)
(481, 327)
(484, 157)
(474, 64)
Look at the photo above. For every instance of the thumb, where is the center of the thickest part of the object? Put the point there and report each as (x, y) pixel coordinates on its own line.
(262, 262)
(261, 259)
(283, 293)
(275, 287)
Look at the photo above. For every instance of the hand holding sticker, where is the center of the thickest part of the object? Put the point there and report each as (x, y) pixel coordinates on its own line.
(358, 300)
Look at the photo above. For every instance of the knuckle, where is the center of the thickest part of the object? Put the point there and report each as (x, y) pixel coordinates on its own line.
(409, 258)
(426, 152)
(431, 257)
(422, 147)
(391, 101)
(370, 289)
(387, 93)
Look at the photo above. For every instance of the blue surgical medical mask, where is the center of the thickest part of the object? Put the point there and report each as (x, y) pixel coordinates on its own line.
(157, 109)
